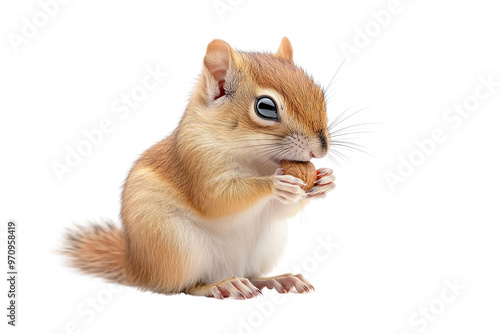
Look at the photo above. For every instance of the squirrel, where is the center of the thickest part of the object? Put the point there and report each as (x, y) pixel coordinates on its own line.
(204, 210)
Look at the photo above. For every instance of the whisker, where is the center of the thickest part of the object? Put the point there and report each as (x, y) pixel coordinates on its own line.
(335, 74)
(334, 122)
(346, 143)
(351, 133)
(279, 153)
(352, 148)
(256, 145)
(265, 152)
(342, 156)
(347, 117)
(268, 151)
(255, 139)
(332, 159)
(353, 126)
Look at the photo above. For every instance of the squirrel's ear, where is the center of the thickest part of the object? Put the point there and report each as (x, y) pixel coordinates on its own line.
(285, 50)
(218, 60)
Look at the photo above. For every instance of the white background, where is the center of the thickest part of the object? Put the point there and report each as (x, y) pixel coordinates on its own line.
(396, 248)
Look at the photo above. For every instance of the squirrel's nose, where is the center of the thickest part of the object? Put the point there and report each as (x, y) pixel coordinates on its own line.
(324, 143)
(319, 151)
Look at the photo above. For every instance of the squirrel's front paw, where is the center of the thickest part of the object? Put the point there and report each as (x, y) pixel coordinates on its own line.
(323, 185)
(287, 188)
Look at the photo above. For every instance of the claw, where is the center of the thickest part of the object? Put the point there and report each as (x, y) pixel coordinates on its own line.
(319, 190)
(285, 283)
(235, 287)
(287, 188)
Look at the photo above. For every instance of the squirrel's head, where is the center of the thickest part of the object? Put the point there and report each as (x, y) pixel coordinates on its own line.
(267, 108)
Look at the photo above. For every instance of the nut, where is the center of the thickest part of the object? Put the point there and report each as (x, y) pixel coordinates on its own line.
(303, 170)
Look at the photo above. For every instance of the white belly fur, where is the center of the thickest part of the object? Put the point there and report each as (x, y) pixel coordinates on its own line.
(247, 244)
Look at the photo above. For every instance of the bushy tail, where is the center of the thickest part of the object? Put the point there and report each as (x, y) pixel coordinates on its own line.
(100, 250)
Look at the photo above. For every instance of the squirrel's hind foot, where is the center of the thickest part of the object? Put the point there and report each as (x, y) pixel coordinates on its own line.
(232, 287)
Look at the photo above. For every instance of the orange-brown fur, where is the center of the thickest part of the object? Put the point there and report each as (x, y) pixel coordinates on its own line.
(98, 250)
(286, 77)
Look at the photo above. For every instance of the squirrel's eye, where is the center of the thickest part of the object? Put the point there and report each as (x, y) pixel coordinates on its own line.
(266, 108)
